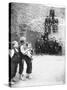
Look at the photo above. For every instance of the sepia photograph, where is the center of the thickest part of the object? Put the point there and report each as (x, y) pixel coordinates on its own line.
(37, 35)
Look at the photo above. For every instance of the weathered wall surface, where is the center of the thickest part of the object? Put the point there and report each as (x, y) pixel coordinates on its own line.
(32, 17)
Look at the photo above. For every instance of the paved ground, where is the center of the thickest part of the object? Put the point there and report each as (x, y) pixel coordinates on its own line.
(47, 70)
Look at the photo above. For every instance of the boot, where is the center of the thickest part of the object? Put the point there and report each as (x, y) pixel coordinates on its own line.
(21, 77)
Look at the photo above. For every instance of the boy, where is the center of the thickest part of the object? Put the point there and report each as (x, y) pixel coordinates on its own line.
(26, 51)
(14, 59)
